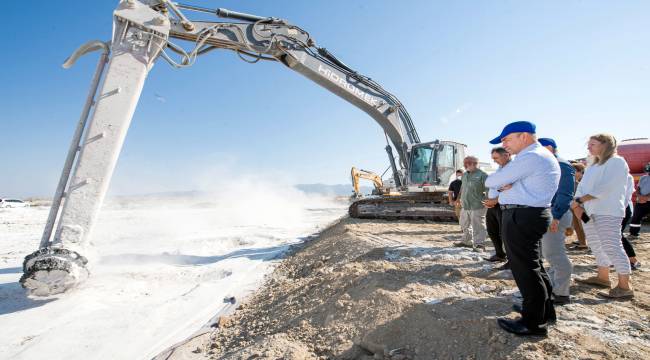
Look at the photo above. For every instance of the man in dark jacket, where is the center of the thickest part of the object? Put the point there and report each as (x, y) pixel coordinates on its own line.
(553, 247)
(454, 191)
(493, 216)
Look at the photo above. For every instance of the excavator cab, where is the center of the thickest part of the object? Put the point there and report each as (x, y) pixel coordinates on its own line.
(433, 164)
(421, 165)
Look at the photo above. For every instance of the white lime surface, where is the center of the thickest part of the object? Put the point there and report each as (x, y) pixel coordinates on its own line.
(160, 268)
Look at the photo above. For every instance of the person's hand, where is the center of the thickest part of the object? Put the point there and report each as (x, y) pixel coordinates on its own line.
(578, 212)
(505, 187)
(490, 203)
(574, 205)
(457, 203)
(642, 199)
(568, 231)
(554, 225)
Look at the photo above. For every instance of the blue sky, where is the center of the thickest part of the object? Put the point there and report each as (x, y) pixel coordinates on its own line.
(463, 69)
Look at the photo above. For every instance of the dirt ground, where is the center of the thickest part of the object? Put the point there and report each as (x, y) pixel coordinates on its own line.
(370, 289)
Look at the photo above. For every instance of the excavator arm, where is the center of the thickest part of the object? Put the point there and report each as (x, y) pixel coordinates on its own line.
(143, 31)
(275, 39)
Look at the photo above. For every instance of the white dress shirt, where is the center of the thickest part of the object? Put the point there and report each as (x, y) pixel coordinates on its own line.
(629, 190)
(534, 175)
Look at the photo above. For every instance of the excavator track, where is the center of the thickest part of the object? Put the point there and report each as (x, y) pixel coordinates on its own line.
(422, 206)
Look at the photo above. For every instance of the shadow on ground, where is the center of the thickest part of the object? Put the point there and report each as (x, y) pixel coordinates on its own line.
(453, 329)
(13, 298)
(12, 270)
(265, 254)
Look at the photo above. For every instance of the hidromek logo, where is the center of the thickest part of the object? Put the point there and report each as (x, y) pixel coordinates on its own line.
(349, 87)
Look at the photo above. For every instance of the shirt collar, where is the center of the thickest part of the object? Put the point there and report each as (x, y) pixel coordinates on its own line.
(530, 148)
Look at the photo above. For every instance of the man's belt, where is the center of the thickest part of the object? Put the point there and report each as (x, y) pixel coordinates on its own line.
(508, 206)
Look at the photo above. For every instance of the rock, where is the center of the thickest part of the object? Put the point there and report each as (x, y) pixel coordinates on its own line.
(487, 288)
(457, 273)
(224, 322)
(371, 347)
(635, 325)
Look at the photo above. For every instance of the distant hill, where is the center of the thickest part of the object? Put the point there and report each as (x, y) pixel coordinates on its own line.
(323, 189)
(334, 190)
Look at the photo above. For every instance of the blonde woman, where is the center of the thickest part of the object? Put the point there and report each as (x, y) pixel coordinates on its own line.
(601, 197)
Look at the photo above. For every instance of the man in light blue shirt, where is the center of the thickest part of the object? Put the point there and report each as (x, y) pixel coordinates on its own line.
(527, 185)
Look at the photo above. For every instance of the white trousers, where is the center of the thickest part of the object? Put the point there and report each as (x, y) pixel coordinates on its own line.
(603, 234)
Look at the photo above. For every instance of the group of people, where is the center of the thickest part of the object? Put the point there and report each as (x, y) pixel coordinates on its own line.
(533, 200)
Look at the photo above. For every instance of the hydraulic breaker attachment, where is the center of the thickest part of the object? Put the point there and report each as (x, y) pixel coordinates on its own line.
(139, 35)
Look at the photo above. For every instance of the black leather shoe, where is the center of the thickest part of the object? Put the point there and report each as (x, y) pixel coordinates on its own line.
(518, 328)
(561, 300)
(505, 266)
(495, 258)
(518, 308)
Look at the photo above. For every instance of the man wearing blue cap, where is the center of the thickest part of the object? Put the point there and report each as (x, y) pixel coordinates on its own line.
(553, 247)
(527, 186)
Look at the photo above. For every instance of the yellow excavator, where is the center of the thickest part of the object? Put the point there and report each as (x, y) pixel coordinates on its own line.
(358, 174)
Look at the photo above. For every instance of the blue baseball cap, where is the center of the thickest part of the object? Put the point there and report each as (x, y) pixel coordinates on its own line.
(547, 142)
(514, 127)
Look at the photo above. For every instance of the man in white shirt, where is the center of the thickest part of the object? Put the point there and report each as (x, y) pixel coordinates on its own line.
(527, 185)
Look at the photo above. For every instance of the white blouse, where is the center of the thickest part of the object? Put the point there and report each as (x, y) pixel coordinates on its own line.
(608, 184)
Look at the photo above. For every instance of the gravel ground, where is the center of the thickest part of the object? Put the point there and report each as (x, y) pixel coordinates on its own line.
(399, 290)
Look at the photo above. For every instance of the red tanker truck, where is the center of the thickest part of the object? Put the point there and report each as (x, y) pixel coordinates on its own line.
(637, 154)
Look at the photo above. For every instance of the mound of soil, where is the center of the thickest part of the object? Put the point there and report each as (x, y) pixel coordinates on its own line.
(370, 289)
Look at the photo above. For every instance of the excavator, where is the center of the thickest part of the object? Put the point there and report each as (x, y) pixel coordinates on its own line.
(358, 174)
(419, 190)
(145, 31)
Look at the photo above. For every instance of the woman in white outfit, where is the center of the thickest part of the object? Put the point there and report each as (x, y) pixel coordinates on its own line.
(601, 195)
